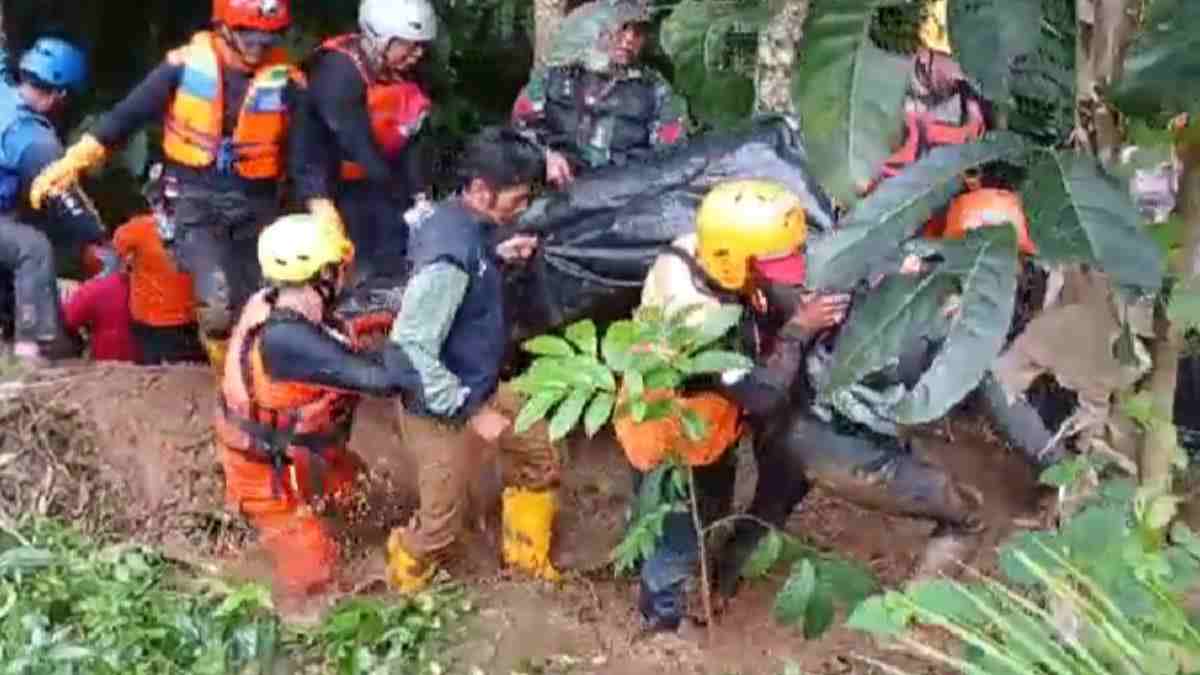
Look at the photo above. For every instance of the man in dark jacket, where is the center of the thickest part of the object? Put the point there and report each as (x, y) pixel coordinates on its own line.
(599, 105)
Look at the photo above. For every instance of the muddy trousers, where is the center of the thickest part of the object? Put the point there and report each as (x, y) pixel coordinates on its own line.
(375, 223)
(299, 541)
(666, 571)
(168, 344)
(216, 242)
(27, 258)
(870, 470)
(447, 458)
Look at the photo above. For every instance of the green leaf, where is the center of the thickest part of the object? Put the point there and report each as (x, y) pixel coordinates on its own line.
(717, 361)
(659, 410)
(598, 376)
(1184, 308)
(880, 326)
(977, 332)
(947, 599)
(548, 345)
(819, 615)
(582, 334)
(717, 323)
(26, 558)
(791, 605)
(663, 378)
(638, 410)
(635, 385)
(694, 426)
(877, 616)
(1163, 63)
(989, 36)
(848, 92)
(536, 408)
(770, 547)
(618, 344)
(1077, 213)
(598, 413)
(568, 414)
(898, 209)
(712, 47)
(848, 581)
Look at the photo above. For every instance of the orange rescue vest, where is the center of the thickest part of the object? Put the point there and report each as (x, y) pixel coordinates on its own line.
(192, 135)
(268, 420)
(396, 109)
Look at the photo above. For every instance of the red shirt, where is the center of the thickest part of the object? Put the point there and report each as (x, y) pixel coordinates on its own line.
(101, 306)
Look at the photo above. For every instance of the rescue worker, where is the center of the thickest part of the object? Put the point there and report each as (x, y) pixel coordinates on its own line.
(452, 327)
(749, 249)
(161, 302)
(48, 75)
(941, 108)
(227, 97)
(601, 106)
(359, 127)
(287, 398)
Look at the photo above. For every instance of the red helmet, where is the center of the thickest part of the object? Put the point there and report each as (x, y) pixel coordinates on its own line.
(264, 15)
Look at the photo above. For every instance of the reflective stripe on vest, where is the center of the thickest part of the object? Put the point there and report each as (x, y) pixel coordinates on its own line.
(397, 110)
(192, 132)
(248, 394)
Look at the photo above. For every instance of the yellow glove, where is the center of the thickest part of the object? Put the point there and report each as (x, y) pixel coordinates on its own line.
(324, 211)
(61, 175)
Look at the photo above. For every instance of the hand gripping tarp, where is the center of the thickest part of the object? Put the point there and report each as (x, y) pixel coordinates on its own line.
(600, 235)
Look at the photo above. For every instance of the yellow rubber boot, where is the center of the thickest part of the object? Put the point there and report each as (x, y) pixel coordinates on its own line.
(407, 574)
(528, 519)
(215, 349)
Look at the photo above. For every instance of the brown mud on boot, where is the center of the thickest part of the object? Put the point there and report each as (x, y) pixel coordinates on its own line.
(952, 545)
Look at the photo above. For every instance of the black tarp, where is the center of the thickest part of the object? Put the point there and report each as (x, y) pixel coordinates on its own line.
(600, 236)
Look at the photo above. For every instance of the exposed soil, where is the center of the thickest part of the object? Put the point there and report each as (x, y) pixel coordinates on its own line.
(139, 459)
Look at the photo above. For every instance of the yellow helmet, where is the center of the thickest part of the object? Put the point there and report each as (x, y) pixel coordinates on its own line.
(295, 248)
(935, 30)
(746, 219)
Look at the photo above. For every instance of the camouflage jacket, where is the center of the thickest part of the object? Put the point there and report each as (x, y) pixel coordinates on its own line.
(596, 120)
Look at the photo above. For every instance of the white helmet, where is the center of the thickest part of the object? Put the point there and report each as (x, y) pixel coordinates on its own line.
(382, 21)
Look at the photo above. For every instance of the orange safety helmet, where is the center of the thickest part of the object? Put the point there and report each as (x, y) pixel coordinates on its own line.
(988, 206)
(265, 15)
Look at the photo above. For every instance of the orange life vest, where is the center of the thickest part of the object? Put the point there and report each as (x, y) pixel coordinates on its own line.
(268, 420)
(396, 109)
(192, 133)
(925, 131)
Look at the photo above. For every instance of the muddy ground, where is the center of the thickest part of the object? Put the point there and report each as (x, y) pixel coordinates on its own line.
(139, 460)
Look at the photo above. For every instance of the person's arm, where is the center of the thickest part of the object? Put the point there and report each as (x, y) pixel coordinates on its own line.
(431, 301)
(763, 389)
(299, 351)
(37, 156)
(309, 165)
(670, 115)
(339, 98)
(144, 105)
(416, 165)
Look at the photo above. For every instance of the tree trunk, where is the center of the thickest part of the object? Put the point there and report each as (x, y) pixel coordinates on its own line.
(1158, 449)
(778, 46)
(547, 15)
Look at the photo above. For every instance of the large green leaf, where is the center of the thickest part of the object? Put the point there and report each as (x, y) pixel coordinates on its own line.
(987, 264)
(1162, 70)
(898, 208)
(879, 327)
(1077, 213)
(989, 36)
(849, 94)
(712, 46)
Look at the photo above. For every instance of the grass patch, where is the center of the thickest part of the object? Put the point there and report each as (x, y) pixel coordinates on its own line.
(70, 604)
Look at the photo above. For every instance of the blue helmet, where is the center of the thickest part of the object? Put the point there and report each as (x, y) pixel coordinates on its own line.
(56, 63)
